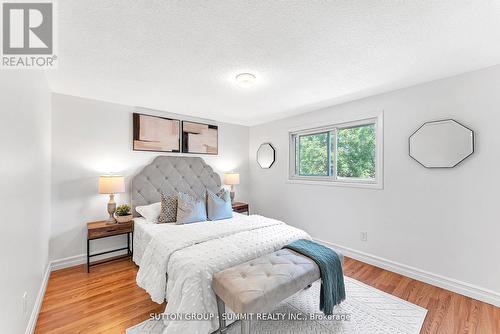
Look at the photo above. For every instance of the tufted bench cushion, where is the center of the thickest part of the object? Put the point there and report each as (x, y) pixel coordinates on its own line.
(259, 285)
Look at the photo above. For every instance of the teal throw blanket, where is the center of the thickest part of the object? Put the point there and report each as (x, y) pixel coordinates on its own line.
(332, 278)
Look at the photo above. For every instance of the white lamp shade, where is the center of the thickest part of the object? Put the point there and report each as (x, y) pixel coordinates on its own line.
(231, 178)
(111, 184)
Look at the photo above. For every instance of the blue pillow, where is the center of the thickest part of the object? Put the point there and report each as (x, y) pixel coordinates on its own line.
(219, 205)
(190, 209)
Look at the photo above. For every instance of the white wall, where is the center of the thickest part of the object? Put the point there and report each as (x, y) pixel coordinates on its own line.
(91, 138)
(443, 221)
(25, 193)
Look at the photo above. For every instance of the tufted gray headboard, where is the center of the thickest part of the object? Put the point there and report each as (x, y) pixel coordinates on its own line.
(171, 175)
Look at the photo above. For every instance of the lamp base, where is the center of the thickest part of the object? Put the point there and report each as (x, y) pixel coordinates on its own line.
(111, 209)
(232, 193)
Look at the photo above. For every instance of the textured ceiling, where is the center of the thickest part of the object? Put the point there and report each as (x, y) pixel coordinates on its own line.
(182, 56)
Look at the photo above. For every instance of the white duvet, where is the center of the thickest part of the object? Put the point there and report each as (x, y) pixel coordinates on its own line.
(192, 253)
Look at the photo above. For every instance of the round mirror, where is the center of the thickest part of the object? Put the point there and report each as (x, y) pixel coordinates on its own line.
(266, 155)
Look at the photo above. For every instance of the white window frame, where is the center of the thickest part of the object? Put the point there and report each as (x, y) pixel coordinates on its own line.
(334, 180)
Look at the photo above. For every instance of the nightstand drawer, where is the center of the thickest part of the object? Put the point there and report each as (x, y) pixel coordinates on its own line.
(109, 230)
(240, 207)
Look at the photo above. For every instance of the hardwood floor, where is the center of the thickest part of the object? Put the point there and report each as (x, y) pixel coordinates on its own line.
(108, 301)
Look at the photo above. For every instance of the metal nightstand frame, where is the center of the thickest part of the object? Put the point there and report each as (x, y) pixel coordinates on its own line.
(129, 249)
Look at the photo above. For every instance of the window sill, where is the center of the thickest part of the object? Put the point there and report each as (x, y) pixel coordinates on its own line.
(349, 184)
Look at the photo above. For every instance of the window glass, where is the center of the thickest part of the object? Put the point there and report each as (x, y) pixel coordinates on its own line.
(356, 152)
(313, 154)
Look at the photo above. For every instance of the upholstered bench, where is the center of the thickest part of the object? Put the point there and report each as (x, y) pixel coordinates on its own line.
(259, 285)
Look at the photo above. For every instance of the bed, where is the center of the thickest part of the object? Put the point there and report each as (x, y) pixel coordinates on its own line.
(144, 232)
(177, 262)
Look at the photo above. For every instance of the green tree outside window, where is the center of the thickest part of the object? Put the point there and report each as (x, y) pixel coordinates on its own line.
(313, 154)
(355, 153)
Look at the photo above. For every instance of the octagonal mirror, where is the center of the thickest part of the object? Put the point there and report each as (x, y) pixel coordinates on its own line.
(441, 144)
(266, 155)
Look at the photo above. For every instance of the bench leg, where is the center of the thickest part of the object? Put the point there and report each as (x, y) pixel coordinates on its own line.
(245, 326)
(221, 308)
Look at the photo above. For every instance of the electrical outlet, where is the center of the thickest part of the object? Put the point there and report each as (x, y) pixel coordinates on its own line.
(25, 302)
(363, 236)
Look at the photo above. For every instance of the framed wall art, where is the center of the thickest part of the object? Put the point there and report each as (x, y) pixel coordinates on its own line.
(200, 138)
(158, 134)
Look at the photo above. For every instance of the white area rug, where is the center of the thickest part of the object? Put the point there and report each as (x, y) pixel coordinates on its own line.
(369, 311)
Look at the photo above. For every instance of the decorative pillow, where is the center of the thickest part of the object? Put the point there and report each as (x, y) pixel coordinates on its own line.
(219, 205)
(150, 212)
(190, 209)
(168, 212)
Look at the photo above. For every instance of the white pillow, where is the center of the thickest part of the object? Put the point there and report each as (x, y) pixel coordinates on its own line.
(150, 212)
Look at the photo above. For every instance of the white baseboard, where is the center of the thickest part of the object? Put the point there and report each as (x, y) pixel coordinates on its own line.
(75, 260)
(68, 262)
(38, 301)
(466, 289)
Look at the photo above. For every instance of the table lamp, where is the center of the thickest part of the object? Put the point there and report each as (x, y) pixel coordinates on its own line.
(111, 184)
(232, 179)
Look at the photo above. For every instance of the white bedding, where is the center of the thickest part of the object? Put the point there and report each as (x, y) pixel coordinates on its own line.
(144, 231)
(192, 253)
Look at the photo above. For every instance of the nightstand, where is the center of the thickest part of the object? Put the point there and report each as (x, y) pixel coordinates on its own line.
(102, 229)
(240, 207)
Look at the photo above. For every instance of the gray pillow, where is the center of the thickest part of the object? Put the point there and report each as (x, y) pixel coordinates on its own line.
(190, 209)
(219, 205)
(168, 212)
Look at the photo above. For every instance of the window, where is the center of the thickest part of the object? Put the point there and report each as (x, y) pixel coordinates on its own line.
(313, 154)
(343, 154)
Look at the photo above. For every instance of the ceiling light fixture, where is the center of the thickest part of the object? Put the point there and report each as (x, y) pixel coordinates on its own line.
(245, 79)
